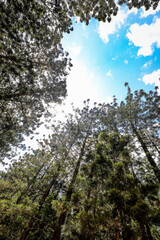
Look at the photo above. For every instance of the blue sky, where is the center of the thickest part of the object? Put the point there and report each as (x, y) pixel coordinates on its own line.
(106, 55)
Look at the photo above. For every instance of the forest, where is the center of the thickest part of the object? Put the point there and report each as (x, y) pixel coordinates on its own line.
(97, 175)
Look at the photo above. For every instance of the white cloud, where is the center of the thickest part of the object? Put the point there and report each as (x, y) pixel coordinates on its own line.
(145, 13)
(125, 61)
(105, 29)
(153, 78)
(114, 58)
(74, 50)
(109, 73)
(133, 10)
(144, 36)
(147, 64)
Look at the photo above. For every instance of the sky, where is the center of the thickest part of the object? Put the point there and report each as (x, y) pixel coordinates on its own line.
(106, 55)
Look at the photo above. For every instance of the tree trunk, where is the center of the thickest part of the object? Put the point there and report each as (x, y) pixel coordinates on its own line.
(143, 232)
(30, 184)
(149, 232)
(63, 214)
(26, 230)
(117, 230)
(61, 220)
(153, 143)
(148, 155)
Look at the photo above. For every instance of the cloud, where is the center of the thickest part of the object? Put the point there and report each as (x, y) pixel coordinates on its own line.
(105, 29)
(109, 73)
(125, 61)
(145, 13)
(74, 50)
(147, 64)
(144, 36)
(153, 78)
(133, 10)
(114, 58)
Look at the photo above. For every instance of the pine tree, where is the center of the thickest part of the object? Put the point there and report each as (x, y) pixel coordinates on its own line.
(33, 69)
(140, 115)
(85, 182)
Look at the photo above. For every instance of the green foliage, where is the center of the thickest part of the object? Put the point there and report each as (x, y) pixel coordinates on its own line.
(141, 211)
(155, 232)
(33, 63)
(89, 179)
(33, 67)
(115, 197)
(85, 182)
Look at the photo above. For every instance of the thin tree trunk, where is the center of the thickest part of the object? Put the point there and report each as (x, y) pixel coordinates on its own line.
(148, 155)
(117, 234)
(149, 232)
(29, 185)
(63, 214)
(153, 143)
(26, 230)
(117, 230)
(46, 193)
(143, 232)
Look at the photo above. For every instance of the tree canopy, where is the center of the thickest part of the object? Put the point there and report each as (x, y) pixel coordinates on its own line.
(33, 63)
(88, 181)
(97, 175)
(33, 67)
